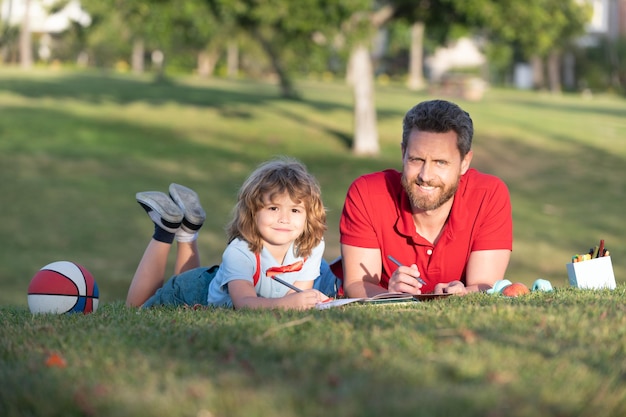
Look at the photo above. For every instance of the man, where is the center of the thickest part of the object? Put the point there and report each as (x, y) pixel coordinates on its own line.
(448, 226)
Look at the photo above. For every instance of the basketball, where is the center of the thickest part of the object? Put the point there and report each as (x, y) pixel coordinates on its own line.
(63, 287)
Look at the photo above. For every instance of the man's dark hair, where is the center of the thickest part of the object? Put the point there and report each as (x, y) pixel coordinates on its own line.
(440, 116)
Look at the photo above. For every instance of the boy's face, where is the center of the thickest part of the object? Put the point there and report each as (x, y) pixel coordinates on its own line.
(280, 221)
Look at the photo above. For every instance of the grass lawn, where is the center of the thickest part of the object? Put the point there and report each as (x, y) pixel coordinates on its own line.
(75, 147)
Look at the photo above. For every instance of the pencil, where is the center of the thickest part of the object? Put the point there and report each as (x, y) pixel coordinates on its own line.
(286, 284)
(397, 262)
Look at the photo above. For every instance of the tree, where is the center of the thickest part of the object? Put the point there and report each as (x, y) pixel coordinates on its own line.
(360, 28)
(289, 32)
(426, 13)
(118, 28)
(284, 29)
(26, 50)
(283, 26)
(365, 140)
(538, 28)
(437, 18)
(8, 33)
(167, 27)
(416, 57)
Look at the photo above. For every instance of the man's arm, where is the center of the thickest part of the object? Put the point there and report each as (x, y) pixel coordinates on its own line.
(362, 269)
(484, 268)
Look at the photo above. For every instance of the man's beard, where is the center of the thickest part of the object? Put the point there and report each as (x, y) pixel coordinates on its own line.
(424, 202)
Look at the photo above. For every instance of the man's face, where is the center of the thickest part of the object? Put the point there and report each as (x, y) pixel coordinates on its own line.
(432, 167)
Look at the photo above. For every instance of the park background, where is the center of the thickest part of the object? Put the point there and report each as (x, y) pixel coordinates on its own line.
(101, 100)
(77, 146)
(84, 129)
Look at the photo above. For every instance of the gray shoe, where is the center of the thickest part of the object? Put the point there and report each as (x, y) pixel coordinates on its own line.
(189, 203)
(161, 209)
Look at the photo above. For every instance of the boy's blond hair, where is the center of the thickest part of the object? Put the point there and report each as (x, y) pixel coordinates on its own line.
(273, 178)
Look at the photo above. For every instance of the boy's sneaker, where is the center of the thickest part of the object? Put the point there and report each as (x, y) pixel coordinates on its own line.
(189, 203)
(161, 209)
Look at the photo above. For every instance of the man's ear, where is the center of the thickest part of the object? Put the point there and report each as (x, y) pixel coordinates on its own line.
(467, 160)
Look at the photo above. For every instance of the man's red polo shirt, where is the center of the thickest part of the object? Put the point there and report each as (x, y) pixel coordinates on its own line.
(377, 214)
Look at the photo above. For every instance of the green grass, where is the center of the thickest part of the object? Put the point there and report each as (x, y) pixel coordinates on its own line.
(547, 354)
(75, 147)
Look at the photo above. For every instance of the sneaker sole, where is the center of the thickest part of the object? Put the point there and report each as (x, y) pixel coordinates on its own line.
(188, 201)
(171, 214)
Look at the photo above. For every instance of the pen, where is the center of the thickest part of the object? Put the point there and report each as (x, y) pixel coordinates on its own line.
(293, 287)
(395, 261)
(600, 249)
(286, 284)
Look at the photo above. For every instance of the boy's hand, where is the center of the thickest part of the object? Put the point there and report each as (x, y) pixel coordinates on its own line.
(305, 299)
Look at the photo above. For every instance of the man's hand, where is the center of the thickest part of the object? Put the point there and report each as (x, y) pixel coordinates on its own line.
(405, 279)
(453, 287)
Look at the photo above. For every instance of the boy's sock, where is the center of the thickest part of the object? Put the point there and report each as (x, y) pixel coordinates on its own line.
(163, 235)
(184, 236)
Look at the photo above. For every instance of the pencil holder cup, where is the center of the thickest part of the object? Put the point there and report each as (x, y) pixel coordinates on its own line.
(592, 274)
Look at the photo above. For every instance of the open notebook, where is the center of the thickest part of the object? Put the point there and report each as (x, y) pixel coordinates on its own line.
(384, 298)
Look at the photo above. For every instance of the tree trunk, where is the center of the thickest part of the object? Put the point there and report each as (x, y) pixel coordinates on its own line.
(4, 52)
(365, 125)
(137, 62)
(569, 71)
(416, 57)
(206, 62)
(286, 86)
(554, 72)
(537, 65)
(232, 59)
(26, 50)
(616, 75)
(158, 63)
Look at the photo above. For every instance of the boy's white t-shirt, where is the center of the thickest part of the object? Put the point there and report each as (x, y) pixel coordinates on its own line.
(238, 262)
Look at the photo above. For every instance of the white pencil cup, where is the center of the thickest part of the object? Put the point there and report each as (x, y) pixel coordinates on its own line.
(595, 273)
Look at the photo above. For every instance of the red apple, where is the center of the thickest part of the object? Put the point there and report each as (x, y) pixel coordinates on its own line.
(515, 290)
